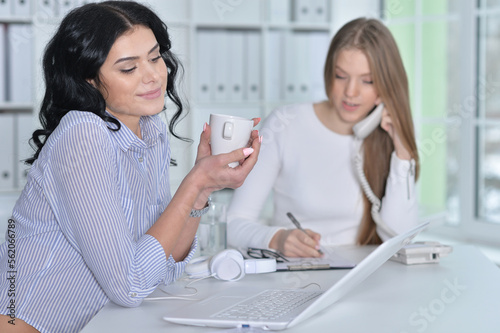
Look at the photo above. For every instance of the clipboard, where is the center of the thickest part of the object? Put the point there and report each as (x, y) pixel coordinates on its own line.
(329, 261)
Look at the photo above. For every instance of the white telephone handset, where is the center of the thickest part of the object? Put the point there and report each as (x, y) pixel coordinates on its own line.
(361, 131)
(366, 126)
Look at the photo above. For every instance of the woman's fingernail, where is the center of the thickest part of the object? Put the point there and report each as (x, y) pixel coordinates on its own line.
(260, 139)
(204, 127)
(247, 151)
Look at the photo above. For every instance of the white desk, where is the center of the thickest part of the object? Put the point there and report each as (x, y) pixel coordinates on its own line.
(460, 294)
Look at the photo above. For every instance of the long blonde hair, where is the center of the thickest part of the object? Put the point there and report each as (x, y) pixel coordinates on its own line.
(390, 81)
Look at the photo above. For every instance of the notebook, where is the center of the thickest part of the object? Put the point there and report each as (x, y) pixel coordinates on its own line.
(213, 311)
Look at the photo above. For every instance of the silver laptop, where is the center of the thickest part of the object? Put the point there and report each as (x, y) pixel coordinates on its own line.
(264, 310)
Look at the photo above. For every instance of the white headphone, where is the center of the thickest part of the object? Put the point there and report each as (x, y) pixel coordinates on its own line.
(228, 265)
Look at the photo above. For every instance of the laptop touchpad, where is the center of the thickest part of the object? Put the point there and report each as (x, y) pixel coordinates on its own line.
(207, 307)
(219, 303)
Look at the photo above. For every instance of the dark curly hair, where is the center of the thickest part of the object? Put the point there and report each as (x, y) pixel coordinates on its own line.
(77, 51)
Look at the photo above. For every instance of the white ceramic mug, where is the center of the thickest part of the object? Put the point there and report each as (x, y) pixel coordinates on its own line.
(229, 133)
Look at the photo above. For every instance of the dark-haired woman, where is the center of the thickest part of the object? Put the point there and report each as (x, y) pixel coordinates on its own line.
(96, 221)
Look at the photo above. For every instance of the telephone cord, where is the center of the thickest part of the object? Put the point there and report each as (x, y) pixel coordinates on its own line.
(376, 203)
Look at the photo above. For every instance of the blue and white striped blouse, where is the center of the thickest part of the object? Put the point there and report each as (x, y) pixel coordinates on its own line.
(81, 220)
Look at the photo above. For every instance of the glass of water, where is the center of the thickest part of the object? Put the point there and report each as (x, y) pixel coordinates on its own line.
(212, 230)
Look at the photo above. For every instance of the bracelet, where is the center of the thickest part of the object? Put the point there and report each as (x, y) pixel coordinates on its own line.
(200, 212)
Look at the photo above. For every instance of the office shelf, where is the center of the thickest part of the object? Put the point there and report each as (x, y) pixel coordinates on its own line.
(15, 107)
(16, 94)
(232, 63)
(268, 57)
(10, 20)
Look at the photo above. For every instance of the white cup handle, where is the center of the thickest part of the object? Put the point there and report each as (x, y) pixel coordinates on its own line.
(227, 132)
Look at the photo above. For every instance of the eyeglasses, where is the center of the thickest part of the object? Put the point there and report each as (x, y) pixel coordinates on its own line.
(264, 253)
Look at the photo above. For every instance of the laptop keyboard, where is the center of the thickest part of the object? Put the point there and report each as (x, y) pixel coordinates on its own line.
(269, 304)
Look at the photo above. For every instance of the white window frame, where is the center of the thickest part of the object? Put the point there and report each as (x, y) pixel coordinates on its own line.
(470, 227)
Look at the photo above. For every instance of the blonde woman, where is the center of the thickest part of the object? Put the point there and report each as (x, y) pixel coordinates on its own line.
(308, 153)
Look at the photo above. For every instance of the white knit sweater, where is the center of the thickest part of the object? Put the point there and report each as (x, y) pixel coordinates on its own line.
(309, 170)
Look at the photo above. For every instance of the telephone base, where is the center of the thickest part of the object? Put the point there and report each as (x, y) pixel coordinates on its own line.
(422, 253)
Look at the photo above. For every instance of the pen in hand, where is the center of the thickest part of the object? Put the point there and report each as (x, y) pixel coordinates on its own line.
(297, 224)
